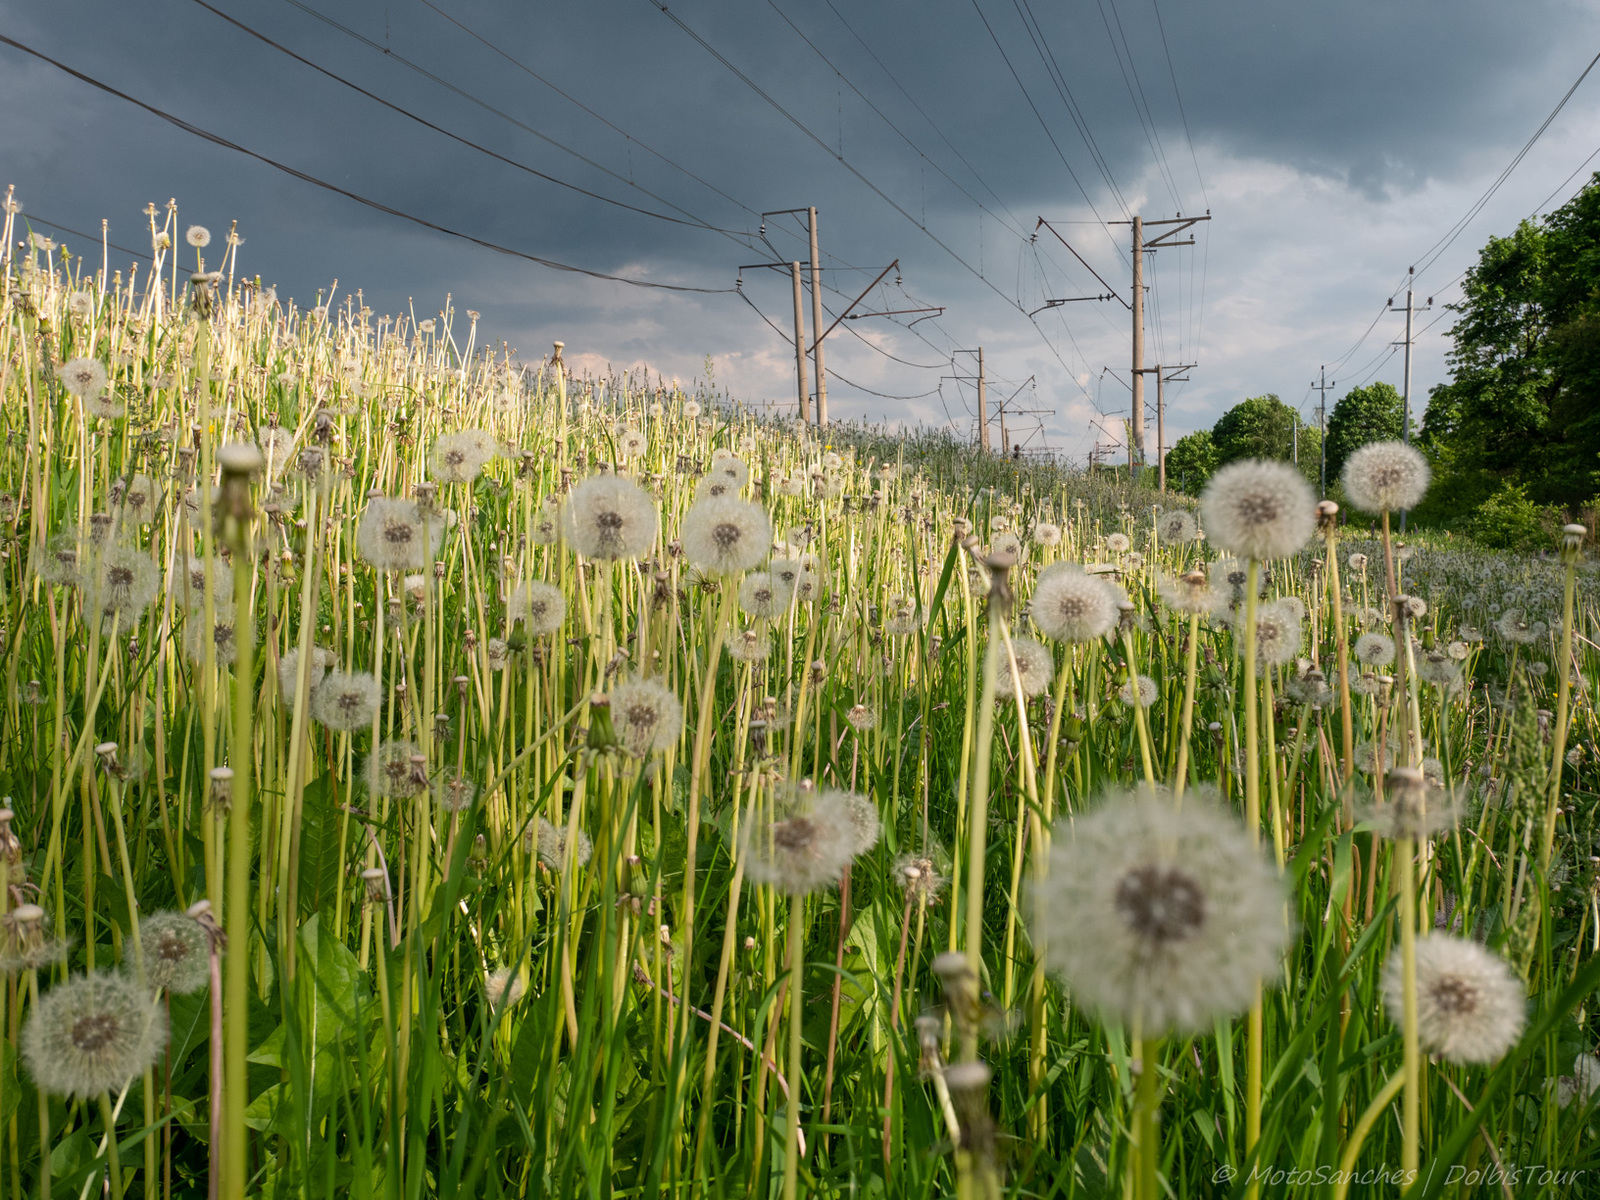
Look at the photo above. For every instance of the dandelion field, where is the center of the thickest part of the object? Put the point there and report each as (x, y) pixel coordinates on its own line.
(428, 775)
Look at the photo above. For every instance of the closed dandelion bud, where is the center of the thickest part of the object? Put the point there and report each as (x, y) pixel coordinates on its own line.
(1571, 540)
(376, 882)
(221, 791)
(1470, 1007)
(177, 953)
(10, 844)
(92, 1035)
(1327, 515)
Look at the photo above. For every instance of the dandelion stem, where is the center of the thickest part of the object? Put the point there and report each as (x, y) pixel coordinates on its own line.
(791, 1141)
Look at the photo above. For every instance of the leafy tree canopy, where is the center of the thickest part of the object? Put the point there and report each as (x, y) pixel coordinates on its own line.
(1369, 414)
(1191, 462)
(1521, 407)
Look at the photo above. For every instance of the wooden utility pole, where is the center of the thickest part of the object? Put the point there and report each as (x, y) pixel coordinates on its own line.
(1322, 425)
(1162, 378)
(799, 342)
(1410, 310)
(816, 318)
(1136, 308)
(983, 406)
(1136, 441)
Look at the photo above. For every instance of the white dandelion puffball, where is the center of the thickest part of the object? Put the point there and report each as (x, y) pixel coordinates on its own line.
(762, 596)
(646, 716)
(393, 536)
(691, 409)
(1177, 527)
(1375, 649)
(1277, 634)
(1070, 606)
(127, 582)
(85, 377)
(1582, 1084)
(1385, 477)
(346, 701)
(1259, 509)
(1047, 533)
(177, 952)
(807, 848)
(540, 606)
(92, 1034)
(1117, 543)
(1140, 690)
(1160, 916)
(460, 457)
(550, 841)
(1470, 1007)
(393, 770)
(609, 517)
(1035, 669)
(198, 236)
(726, 536)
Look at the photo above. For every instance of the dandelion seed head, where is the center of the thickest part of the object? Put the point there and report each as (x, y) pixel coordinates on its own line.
(504, 987)
(1277, 635)
(127, 583)
(1470, 1007)
(1071, 606)
(609, 517)
(460, 457)
(646, 716)
(85, 378)
(317, 665)
(390, 770)
(346, 700)
(550, 841)
(807, 847)
(763, 596)
(393, 536)
(540, 606)
(219, 634)
(1158, 914)
(1190, 594)
(92, 1034)
(1375, 649)
(177, 952)
(189, 583)
(1385, 477)
(26, 941)
(454, 793)
(1047, 533)
(726, 536)
(1035, 669)
(1579, 1087)
(1140, 690)
(1259, 509)
(198, 236)
(1177, 527)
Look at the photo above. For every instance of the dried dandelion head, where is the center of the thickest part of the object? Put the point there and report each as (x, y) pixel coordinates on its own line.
(92, 1034)
(1470, 1007)
(646, 716)
(1259, 509)
(610, 517)
(807, 847)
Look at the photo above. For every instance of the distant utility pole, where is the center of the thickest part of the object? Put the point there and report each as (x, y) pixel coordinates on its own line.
(1140, 246)
(983, 395)
(1162, 378)
(1410, 311)
(1322, 424)
(816, 319)
(799, 341)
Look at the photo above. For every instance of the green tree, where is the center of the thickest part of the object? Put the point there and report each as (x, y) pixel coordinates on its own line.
(1265, 427)
(1191, 462)
(1369, 414)
(1520, 407)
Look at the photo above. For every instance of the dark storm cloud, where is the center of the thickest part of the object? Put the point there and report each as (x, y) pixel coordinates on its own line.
(1378, 99)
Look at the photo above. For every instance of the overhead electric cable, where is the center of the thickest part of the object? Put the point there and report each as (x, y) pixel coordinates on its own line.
(218, 140)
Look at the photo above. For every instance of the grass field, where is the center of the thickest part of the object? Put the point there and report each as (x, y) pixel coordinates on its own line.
(429, 775)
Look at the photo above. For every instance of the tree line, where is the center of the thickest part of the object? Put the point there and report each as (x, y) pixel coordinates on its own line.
(1513, 435)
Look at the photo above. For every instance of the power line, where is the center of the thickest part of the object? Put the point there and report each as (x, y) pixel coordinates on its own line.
(696, 223)
(505, 116)
(1178, 96)
(218, 140)
(527, 70)
(1431, 255)
(33, 219)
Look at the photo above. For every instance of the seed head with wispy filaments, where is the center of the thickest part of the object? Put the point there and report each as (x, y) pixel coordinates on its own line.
(346, 700)
(540, 606)
(1385, 477)
(866, 826)
(549, 841)
(1160, 915)
(125, 583)
(393, 536)
(61, 561)
(646, 716)
(28, 941)
(807, 847)
(219, 634)
(726, 536)
(1259, 509)
(188, 583)
(1177, 527)
(177, 952)
(1278, 635)
(85, 378)
(1071, 606)
(1375, 649)
(1190, 594)
(1470, 1007)
(460, 457)
(392, 770)
(454, 793)
(609, 517)
(763, 596)
(92, 1034)
(1047, 533)
(1035, 669)
(317, 664)
(1140, 690)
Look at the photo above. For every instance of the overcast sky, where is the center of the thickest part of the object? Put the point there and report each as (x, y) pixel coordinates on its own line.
(1334, 145)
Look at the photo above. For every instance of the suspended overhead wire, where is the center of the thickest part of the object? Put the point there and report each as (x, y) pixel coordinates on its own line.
(504, 116)
(1431, 255)
(218, 140)
(529, 71)
(1130, 77)
(695, 223)
(29, 218)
